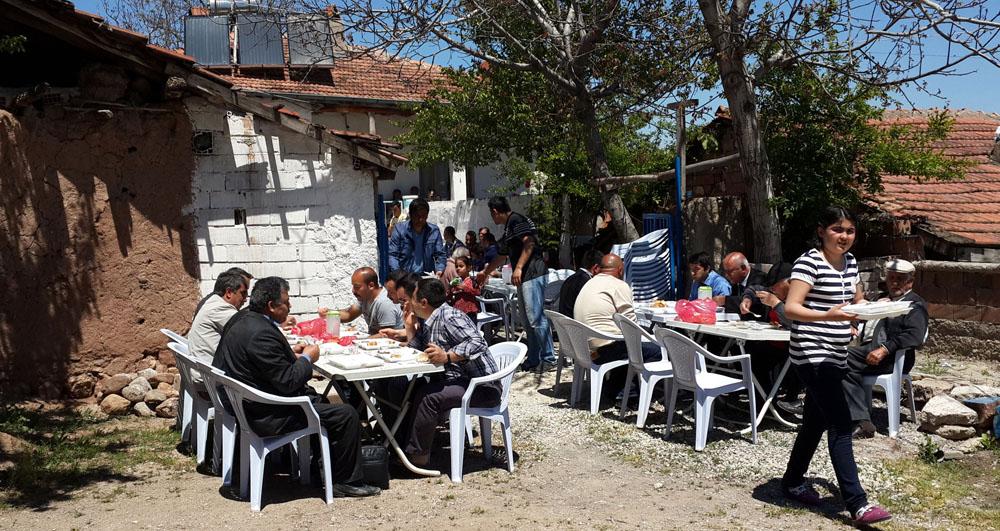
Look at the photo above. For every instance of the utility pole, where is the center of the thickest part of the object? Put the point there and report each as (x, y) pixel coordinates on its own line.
(680, 162)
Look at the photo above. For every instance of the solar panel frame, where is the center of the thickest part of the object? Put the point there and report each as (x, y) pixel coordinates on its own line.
(258, 39)
(309, 40)
(207, 39)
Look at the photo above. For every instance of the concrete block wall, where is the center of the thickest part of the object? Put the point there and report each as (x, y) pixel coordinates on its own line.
(309, 213)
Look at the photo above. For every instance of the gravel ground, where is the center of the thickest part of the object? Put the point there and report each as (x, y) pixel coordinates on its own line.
(575, 470)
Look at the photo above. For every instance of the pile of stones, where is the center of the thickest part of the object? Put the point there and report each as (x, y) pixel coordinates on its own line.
(146, 393)
(955, 412)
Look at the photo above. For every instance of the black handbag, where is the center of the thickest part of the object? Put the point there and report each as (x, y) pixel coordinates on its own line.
(375, 465)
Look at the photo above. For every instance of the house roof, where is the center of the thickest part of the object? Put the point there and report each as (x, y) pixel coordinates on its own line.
(965, 211)
(78, 28)
(365, 78)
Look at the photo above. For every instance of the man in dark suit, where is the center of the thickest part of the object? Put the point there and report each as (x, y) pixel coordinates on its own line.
(590, 264)
(736, 268)
(254, 351)
(880, 340)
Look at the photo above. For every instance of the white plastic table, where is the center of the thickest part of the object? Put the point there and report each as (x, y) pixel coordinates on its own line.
(739, 336)
(358, 377)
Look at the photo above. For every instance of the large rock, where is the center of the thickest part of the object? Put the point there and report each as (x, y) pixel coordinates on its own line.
(167, 389)
(142, 410)
(115, 405)
(114, 384)
(168, 408)
(142, 383)
(82, 386)
(927, 388)
(10, 445)
(956, 433)
(134, 393)
(965, 392)
(944, 410)
(147, 373)
(161, 377)
(154, 398)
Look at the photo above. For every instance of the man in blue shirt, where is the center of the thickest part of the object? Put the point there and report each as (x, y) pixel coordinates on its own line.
(415, 245)
(700, 266)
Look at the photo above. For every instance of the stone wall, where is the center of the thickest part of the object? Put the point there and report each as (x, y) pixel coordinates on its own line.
(964, 303)
(309, 213)
(96, 253)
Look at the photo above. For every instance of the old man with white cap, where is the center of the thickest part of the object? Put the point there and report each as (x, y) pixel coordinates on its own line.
(879, 341)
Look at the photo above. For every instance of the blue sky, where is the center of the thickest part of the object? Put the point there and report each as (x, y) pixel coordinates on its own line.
(978, 89)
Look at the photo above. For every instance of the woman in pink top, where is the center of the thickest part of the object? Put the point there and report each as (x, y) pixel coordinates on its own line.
(463, 290)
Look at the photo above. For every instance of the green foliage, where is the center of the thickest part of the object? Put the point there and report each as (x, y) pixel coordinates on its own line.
(927, 451)
(11, 44)
(500, 115)
(989, 442)
(826, 147)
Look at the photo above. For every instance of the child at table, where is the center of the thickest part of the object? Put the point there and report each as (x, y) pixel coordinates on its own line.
(463, 290)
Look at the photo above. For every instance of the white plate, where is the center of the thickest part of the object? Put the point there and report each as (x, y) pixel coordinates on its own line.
(380, 343)
(397, 355)
(878, 310)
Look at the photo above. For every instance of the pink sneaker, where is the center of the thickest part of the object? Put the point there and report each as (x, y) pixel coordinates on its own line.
(804, 494)
(871, 514)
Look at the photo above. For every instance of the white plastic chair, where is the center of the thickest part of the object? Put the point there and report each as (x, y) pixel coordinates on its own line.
(200, 404)
(687, 359)
(579, 334)
(484, 317)
(184, 409)
(892, 385)
(509, 355)
(225, 422)
(649, 373)
(565, 347)
(254, 448)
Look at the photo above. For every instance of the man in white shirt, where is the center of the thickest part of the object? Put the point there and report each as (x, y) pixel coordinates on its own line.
(226, 299)
(601, 297)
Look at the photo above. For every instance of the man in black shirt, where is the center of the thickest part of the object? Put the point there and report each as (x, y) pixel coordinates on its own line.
(520, 243)
(255, 352)
(590, 264)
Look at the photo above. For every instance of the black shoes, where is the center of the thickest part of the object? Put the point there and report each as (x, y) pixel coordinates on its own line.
(345, 490)
(864, 430)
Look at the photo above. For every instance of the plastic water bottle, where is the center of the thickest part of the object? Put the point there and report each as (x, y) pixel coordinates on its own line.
(333, 323)
(704, 292)
(506, 273)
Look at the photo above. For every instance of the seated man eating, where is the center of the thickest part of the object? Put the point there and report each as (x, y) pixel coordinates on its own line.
(255, 352)
(447, 337)
(374, 304)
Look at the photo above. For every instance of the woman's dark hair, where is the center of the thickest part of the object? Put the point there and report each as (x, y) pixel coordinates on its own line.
(471, 233)
(829, 216)
(433, 290)
(467, 260)
(267, 290)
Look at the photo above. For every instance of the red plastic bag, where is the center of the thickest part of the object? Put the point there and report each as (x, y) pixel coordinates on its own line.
(700, 311)
(314, 328)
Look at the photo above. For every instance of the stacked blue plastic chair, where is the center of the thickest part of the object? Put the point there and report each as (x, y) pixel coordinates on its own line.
(647, 265)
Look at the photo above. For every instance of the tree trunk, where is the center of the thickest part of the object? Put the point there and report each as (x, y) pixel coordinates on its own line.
(566, 237)
(730, 56)
(597, 157)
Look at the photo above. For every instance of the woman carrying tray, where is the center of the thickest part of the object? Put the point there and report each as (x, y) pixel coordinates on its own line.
(823, 281)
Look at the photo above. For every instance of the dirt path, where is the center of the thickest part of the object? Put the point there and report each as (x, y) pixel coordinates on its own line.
(574, 471)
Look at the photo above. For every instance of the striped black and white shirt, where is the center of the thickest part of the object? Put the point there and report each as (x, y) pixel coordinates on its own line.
(823, 341)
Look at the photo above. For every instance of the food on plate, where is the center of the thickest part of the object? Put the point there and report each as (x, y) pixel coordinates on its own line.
(372, 343)
(658, 304)
(423, 358)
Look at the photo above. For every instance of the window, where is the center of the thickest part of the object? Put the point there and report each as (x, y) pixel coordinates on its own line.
(436, 177)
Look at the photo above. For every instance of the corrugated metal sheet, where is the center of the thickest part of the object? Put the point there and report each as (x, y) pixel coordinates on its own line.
(207, 39)
(309, 40)
(259, 40)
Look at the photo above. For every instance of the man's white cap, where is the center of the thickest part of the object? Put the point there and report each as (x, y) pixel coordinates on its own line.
(900, 266)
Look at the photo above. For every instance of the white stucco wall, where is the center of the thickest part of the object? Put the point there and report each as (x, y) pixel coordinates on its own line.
(486, 178)
(470, 214)
(310, 214)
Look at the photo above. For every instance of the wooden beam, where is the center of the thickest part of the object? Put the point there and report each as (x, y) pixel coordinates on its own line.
(255, 106)
(691, 169)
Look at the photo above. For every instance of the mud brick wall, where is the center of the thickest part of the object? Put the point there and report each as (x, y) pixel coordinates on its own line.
(963, 299)
(95, 252)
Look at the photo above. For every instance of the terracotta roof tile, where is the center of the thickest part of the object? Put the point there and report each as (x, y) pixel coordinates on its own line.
(968, 208)
(364, 77)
